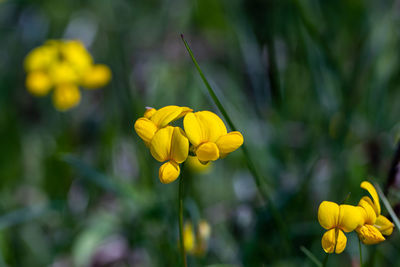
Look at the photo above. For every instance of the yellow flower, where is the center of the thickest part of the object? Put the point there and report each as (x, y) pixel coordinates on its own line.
(64, 65)
(196, 242)
(374, 224)
(153, 120)
(169, 144)
(66, 96)
(96, 76)
(38, 83)
(337, 219)
(208, 135)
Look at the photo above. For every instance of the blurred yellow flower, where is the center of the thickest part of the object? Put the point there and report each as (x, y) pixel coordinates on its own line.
(374, 224)
(196, 166)
(153, 120)
(64, 65)
(169, 144)
(336, 219)
(196, 242)
(208, 135)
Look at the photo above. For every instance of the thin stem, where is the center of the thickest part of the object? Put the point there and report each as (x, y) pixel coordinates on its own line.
(324, 264)
(311, 256)
(250, 165)
(359, 248)
(181, 236)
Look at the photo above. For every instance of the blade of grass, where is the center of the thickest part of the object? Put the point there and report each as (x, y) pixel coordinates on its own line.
(274, 211)
(388, 206)
(311, 256)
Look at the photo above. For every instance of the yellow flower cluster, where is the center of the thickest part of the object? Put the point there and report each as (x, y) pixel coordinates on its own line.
(63, 65)
(205, 136)
(196, 242)
(365, 219)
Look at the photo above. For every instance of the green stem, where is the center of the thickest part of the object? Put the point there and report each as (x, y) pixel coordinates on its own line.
(250, 165)
(181, 236)
(325, 260)
(359, 248)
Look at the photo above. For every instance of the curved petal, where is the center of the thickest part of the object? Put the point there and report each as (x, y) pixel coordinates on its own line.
(146, 129)
(149, 112)
(207, 152)
(350, 217)
(66, 96)
(38, 83)
(370, 235)
(168, 172)
(213, 126)
(328, 214)
(193, 129)
(179, 146)
(160, 145)
(368, 210)
(330, 243)
(229, 142)
(167, 114)
(371, 190)
(384, 225)
(96, 76)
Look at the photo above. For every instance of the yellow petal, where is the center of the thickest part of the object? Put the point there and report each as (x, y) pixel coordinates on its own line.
(168, 172)
(369, 234)
(38, 83)
(371, 190)
(96, 76)
(40, 58)
(167, 114)
(189, 238)
(328, 214)
(179, 146)
(207, 151)
(229, 142)
(193, 129)
(160, 145)
(203, 126)
(330, 243)
(384, 225)
(75, 53)
(66, 96)
(368, 210)
(350, 217)
(146, 129)
(149, 112)
(62, 73)
(196, 166)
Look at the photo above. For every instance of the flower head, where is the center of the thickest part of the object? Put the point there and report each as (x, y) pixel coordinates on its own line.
(209, 137)
(153, 120)
(171, 146)
(196, 242)
(64, 66)
(374, 224)
(337, 219)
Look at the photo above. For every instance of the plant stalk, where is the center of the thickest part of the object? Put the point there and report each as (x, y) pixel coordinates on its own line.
(181, 236)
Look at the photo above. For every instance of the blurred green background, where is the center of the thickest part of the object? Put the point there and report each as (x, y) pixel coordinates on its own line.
(314, 86)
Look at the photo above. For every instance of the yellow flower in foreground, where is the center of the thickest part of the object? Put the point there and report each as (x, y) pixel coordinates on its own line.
(208, 135)
(337, 219)
(63, 65)
(153, 120)
(169, 144)
(374, 225)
